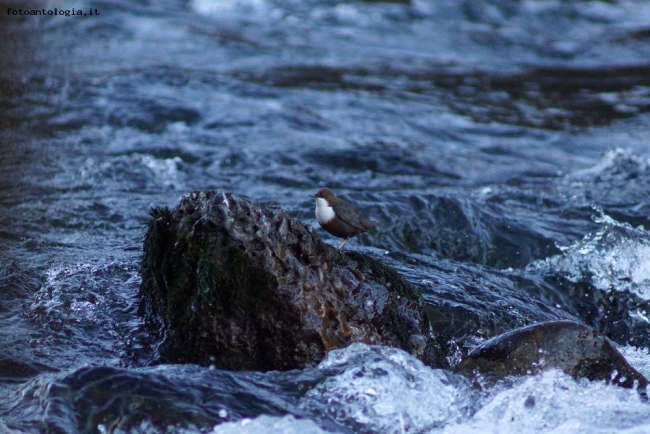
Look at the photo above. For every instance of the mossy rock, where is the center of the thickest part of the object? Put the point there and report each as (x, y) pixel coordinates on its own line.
(240, 286)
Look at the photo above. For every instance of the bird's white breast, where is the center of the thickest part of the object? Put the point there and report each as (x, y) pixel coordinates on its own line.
(324, 212)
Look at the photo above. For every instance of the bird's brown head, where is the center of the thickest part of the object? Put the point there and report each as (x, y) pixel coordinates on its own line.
(328, 195)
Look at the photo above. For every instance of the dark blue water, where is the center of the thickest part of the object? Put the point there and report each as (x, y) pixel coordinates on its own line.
(504, 146)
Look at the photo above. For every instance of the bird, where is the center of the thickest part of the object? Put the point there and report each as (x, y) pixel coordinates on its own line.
(339, 217)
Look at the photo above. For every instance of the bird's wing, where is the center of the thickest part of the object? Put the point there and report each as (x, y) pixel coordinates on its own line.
(352, 216)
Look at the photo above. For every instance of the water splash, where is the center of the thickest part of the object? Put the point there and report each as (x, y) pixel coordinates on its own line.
(553, 402)
(615, 257)
(380, 389)
(269, 425)
(87, 309)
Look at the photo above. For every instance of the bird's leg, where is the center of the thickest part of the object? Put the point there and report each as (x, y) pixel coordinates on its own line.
(342, 244)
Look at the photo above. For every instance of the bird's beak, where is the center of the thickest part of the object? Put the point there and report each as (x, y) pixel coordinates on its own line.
(312, 196)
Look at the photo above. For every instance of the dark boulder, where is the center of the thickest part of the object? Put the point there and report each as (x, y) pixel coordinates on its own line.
(576, 349)
(240, 286)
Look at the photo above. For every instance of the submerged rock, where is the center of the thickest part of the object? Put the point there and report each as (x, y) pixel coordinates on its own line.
(576, 349)
(240, 286)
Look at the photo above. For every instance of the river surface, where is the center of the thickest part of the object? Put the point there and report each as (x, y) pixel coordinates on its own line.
(503, 145)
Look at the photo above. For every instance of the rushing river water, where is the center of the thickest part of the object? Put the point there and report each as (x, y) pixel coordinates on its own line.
(504, 146)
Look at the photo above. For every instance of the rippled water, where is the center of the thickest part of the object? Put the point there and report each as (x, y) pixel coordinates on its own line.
(502, 144)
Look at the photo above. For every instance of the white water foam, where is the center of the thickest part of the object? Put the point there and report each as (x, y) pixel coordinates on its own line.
(553, 402)
(615, 257)
(269, 425)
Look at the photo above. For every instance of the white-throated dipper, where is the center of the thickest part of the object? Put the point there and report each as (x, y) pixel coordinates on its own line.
(338, 217)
